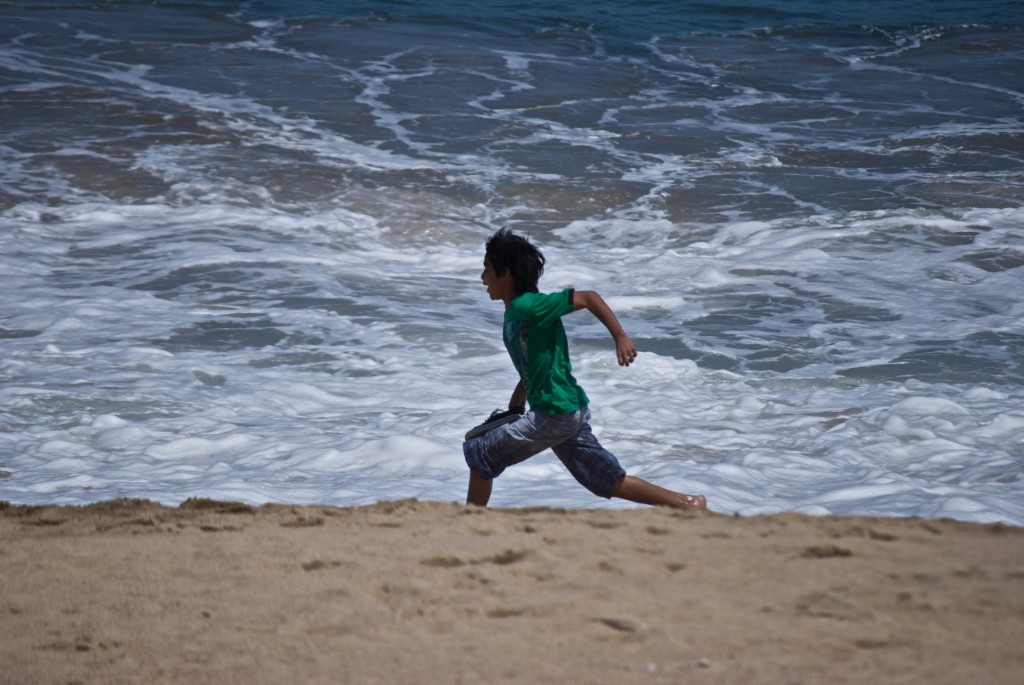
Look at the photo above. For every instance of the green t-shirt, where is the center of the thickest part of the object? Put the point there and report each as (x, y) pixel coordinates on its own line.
(535, 339)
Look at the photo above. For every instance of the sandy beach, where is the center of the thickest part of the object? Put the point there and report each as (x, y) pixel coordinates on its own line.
(130, 591)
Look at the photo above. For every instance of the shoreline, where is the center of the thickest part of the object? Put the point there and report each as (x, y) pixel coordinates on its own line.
(408, 591)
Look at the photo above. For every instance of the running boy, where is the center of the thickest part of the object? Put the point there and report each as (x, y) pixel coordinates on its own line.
(559, 415)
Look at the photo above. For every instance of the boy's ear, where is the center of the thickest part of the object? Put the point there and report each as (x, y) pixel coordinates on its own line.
(497, 272)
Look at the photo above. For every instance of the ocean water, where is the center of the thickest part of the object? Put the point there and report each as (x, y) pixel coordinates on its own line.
(242, 245)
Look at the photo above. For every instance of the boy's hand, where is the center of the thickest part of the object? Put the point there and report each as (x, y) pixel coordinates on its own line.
(625, 350)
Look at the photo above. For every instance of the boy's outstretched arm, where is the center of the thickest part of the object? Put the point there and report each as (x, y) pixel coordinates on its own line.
(595, 304)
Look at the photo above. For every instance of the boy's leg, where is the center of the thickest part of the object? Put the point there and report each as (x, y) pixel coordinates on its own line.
(479, 490)
(490, 454)
(640, 491)
(599, 471)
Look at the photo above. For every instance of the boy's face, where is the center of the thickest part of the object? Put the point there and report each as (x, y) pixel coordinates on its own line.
(498, 287)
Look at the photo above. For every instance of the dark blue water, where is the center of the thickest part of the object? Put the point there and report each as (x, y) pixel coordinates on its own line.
(639, 18)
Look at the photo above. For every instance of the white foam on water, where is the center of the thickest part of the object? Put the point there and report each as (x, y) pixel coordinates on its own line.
(375, 406)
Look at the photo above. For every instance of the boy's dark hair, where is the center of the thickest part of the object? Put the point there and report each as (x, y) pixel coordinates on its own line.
(507, 251)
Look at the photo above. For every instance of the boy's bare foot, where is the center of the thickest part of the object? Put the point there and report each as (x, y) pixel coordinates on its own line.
(694, 502)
